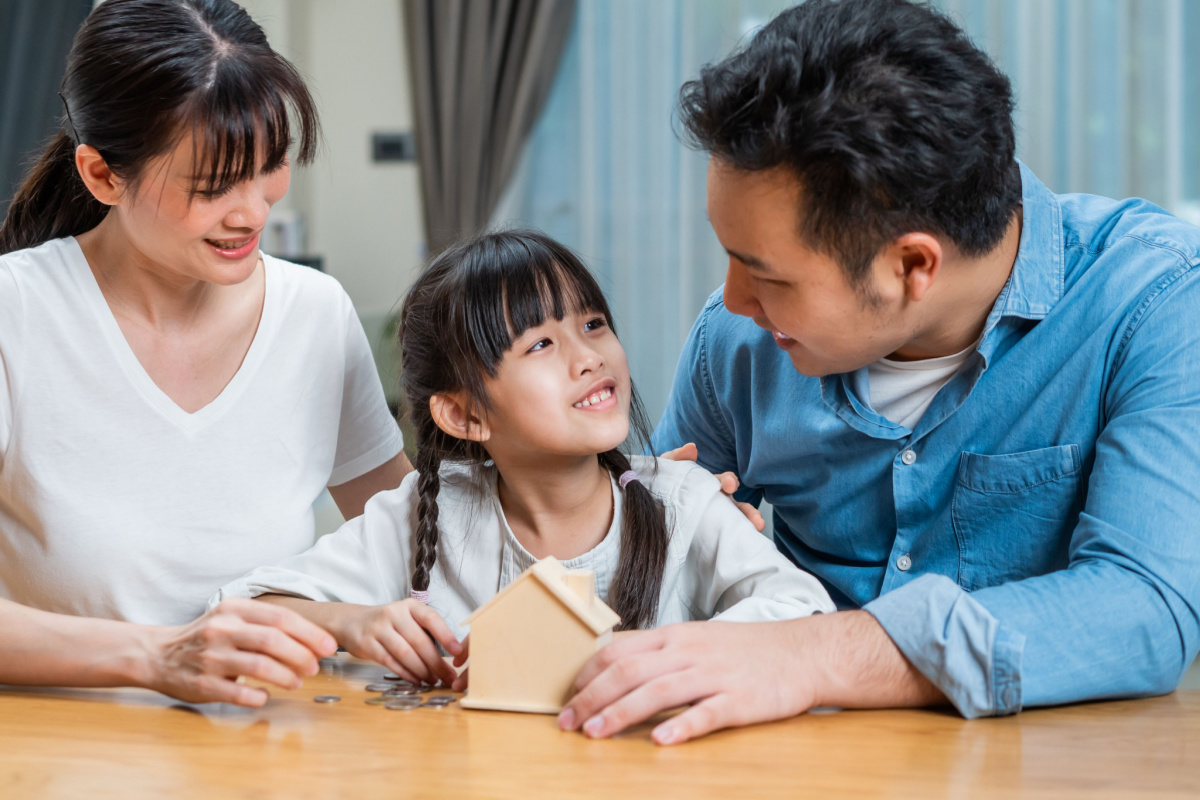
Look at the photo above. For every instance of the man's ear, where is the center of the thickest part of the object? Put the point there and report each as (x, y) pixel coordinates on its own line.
(452, 414)
(97, 177)
(917, 261)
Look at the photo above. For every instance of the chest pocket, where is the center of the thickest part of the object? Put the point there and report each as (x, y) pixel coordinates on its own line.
(1013, 514)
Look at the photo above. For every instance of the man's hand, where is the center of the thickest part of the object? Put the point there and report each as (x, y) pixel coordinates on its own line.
(735, 673)
(201, 662)
(729, 482)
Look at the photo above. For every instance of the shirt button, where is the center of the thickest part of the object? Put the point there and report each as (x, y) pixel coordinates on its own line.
(908, 457)
(904, 562)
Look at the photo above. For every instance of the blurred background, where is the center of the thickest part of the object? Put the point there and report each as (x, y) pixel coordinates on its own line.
(441, 116)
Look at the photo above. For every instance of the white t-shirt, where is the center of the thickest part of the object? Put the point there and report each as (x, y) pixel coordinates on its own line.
(901, 391)
(145, 510)
(717, 566)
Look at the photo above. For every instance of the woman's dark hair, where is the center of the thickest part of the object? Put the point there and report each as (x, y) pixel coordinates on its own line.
(458, 321)
(143, 74)
(886, 113)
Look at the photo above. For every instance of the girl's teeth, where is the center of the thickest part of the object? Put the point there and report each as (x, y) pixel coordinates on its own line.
(598, 397)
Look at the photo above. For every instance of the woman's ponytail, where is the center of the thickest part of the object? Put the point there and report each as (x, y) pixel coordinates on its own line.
(52, 202)
(643, 559)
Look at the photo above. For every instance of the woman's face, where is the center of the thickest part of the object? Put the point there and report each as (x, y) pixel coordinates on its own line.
(206, 237)
(563, 389)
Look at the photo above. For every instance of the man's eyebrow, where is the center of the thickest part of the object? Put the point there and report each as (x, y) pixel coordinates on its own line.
(750, 261)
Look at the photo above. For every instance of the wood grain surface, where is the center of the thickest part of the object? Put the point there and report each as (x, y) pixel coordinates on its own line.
(129, 743)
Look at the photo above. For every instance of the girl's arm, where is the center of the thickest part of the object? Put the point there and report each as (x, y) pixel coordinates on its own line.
(198, 662)
(734, 573)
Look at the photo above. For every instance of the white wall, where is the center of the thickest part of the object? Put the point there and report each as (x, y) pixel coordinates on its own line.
(364, 218)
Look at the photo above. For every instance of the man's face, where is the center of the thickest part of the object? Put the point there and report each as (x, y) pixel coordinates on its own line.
(800, 296)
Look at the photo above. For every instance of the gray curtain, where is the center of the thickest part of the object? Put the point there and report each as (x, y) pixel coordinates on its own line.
(481, 71)
(35, 37)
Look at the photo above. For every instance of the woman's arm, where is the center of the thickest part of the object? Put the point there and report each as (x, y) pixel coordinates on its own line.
(198, 662)
(352, 496)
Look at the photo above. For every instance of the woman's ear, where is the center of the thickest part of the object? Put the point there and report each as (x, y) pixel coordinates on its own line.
(451, 414)
(97, 177)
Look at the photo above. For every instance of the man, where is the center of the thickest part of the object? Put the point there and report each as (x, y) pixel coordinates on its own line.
(973, 404)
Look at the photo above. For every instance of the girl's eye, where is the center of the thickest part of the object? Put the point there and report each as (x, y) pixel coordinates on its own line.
(596, 324)
(538, 345)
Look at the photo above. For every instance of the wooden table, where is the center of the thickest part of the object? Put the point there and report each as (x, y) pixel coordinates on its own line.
(131, 743)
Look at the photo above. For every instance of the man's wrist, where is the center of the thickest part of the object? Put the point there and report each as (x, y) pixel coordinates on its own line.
(859, 666)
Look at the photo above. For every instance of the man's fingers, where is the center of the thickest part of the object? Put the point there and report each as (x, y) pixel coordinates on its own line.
(620, 679)
(688, 452)
(665, 692)
(729, 482)
(752, 514)
(306, 633)
(628, 644)
(701, 719)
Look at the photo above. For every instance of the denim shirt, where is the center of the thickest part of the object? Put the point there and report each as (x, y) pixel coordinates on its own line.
(1036, 538)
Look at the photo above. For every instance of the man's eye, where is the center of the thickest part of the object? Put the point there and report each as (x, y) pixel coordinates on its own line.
(596, 324)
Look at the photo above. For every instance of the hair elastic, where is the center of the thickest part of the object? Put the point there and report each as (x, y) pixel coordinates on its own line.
(628, 477)
(420, 596)
(73, 132)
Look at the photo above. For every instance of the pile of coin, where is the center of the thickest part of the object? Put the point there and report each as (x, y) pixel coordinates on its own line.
(398, 694)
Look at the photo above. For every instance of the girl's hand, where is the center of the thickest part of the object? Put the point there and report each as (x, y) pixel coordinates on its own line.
(460, 683)
(729, 482)
(201, 662)
(400, 636)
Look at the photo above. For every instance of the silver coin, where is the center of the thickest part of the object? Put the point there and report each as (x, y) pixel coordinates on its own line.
(379, 687)
(376, 701)
(391, 676)
(434, 705)
(326, 698)
(441, 698)
(400, 691)
(401, 704)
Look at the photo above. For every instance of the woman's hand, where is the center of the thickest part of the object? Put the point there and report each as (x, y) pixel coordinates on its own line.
(729, 482)
(402, 636)
(201, 662)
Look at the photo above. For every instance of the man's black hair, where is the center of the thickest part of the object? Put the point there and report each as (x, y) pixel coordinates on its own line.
(886, 113)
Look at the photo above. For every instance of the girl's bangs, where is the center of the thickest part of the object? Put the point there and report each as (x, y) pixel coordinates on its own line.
(537, 279)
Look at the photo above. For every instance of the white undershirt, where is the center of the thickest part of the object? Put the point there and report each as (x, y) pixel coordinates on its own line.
(138, 509)
(901, 391)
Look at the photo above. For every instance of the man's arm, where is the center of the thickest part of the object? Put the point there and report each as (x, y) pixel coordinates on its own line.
(737, 673)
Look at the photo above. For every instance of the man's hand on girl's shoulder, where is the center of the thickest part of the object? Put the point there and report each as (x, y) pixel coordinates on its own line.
(729, 482)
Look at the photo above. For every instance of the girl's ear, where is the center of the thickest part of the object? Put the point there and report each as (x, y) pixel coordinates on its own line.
(451, 414)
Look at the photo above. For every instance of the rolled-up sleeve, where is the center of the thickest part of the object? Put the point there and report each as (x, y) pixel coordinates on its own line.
(1123, 619)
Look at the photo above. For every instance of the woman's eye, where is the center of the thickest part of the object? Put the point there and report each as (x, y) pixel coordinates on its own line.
(213, 194)
(596, 324)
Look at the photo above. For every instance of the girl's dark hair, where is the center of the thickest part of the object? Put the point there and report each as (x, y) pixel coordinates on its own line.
(458, 321)
(141, 75)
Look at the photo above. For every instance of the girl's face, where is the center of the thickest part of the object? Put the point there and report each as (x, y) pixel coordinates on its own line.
(207, 237)
(563, 389)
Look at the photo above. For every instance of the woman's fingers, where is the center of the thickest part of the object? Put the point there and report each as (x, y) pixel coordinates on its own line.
(258, 667)
(276, 645)
(308, 634)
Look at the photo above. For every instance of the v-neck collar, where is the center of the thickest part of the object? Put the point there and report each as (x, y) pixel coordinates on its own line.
(136, 373)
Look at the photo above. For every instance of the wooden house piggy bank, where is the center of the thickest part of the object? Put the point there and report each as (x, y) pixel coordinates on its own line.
(529, 641)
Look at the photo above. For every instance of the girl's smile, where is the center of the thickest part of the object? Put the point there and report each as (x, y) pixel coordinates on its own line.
(600, 397)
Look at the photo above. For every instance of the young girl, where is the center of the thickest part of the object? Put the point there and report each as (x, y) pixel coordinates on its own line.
(521, 398)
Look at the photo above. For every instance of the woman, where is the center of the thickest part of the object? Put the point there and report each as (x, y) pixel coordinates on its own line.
(171, 401)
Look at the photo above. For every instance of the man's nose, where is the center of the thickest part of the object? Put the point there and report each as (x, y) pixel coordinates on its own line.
(738, 296)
